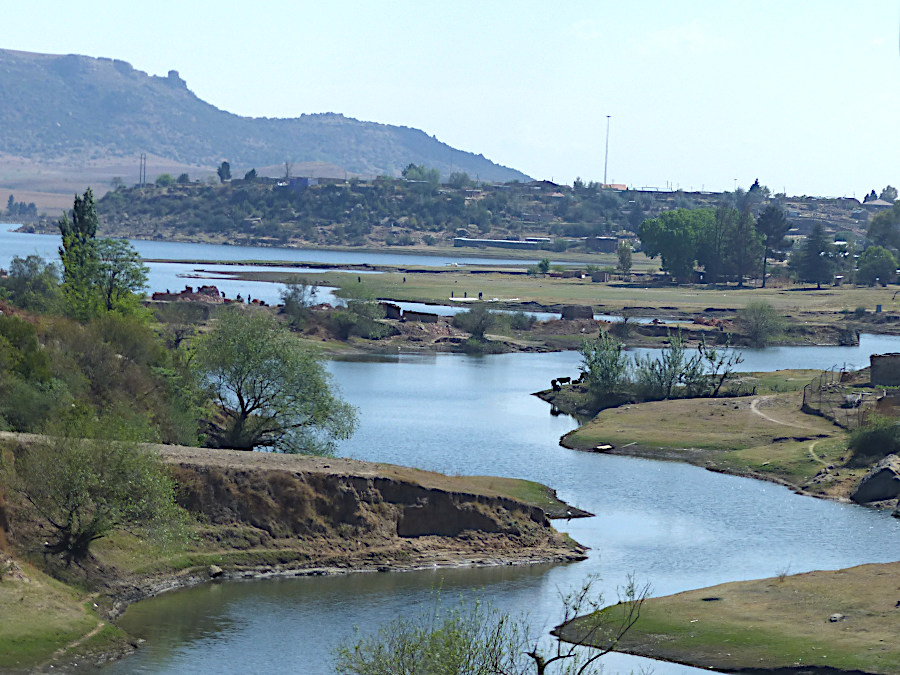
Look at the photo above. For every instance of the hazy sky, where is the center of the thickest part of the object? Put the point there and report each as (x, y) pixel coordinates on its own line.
(801, 94)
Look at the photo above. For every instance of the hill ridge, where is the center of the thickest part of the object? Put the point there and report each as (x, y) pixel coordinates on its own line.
(123, 111)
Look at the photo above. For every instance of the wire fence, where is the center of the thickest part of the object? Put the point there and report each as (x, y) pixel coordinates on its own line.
(831, 396)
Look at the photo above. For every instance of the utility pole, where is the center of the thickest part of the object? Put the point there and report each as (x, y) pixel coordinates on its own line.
(142, 170)
(606, 155)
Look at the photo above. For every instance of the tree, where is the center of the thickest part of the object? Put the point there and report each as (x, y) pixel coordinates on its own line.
(120, 272)
(814, 261)
(420, 173)
(544, 265)
(165, 180)
(183, 179)
(32, 283)
(460, 180)
(224, 172)
(79, 255)
(87, 478)
(889, 194)
(11, 204)
(884, 230)
(876, 264)
(624, 254)
(743, 247)
(674, 236)
(250, 176)
(773, 225)
(712, 242)
(270, 390)
(482, 640)
(297, 297)
(604, 366)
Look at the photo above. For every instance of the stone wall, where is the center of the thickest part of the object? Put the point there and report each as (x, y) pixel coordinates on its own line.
(885, 369)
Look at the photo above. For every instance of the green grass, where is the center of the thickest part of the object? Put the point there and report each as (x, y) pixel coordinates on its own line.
(42, 615)
(437, 287)
(728, 435)
(778, 623)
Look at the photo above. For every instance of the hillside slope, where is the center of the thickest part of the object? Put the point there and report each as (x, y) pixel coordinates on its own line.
(55, 107)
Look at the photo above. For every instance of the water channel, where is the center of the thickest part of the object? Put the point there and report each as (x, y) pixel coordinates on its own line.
(675, 526)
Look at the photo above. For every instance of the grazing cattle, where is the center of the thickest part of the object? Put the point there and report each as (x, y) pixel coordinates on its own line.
(564, 380)
(555, 385)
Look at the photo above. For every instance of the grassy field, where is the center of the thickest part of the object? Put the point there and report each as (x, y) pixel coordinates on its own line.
(766, 436)
(441, 287)
(781, 622)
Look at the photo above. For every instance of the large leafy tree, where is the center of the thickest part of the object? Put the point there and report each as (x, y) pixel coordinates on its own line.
(772, 225)
(121, 274)
(743, 246)
(78, 254)
(674, 236)
(98, 274)
(876, 263)
(814, 261)
(32, 283)
(88, 478)
(711, 245)
(269, 389)
(884, 230)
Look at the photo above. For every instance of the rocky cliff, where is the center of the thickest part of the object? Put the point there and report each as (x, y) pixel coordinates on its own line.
(346, 513)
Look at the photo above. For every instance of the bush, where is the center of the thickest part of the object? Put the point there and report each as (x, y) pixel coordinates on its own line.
(760, 323)
(604, 366)
(476, 321)
(878, 438)
(521, 321)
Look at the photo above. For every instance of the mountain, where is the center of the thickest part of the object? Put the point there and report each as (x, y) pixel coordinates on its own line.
(82, 109)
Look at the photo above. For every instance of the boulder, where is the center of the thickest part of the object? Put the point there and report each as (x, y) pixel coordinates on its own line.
(571, 312)
(881, 483)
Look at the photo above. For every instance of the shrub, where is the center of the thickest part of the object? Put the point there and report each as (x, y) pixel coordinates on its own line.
(877, 438)
(476, 321)
(604, 366)
(760, 323)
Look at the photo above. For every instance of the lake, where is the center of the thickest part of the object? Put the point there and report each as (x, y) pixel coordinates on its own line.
(673, 525)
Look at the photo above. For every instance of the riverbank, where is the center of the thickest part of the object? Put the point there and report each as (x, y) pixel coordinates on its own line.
(818, 623)
(262, 515)
(764, 436)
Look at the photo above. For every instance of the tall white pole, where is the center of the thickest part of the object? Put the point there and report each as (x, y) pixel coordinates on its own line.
(606, 157)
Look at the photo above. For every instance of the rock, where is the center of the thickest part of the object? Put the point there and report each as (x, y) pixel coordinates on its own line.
(570, 312)
(834, 618)
(881, 483)
(215, 571)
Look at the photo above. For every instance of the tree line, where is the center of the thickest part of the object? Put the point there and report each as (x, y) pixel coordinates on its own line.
(732, 244)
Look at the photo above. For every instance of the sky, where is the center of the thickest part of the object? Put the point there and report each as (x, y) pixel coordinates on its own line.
(802, 95)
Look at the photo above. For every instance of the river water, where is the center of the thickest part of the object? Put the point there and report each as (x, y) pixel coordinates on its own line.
(675, 526)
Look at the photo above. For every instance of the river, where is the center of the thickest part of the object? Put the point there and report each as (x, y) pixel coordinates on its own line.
(675, 526)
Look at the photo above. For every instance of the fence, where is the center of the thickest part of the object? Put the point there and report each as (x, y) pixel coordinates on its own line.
(830, 397)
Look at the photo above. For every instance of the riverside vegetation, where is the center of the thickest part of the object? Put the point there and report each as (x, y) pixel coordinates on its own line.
(101, 503)
(188, 554)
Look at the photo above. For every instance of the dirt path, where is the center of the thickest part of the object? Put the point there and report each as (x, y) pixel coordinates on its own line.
(754, 406)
